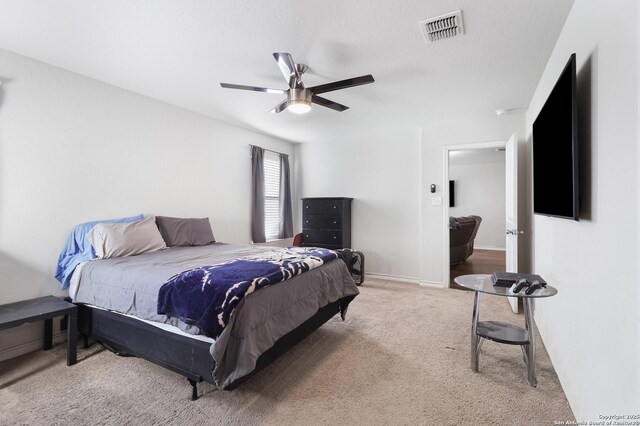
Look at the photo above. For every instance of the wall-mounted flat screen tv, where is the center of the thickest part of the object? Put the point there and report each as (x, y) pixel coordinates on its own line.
(452, 193)
(555, 150)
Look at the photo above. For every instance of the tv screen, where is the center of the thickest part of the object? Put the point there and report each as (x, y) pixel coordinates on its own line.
(452, 193)
(555, 150)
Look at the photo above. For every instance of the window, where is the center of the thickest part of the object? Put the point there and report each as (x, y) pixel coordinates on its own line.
(271, 194)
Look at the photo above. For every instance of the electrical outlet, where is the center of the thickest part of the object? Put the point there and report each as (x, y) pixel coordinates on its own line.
(63, 324)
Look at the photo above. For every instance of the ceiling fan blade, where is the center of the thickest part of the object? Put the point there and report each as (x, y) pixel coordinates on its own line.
(288, 67)
(253, 88)
(327, 103)
(281, 106)
(342, 84)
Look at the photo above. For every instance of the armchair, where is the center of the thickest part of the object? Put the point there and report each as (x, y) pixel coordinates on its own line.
(462, 233)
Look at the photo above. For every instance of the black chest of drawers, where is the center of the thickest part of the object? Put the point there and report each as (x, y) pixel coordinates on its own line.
(326, 222)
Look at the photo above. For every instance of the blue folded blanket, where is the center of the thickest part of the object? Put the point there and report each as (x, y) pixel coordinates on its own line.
(78, 249)
(207, 296)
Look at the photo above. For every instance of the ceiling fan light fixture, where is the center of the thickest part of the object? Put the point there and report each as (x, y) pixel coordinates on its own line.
(299, 107)
(299, 98)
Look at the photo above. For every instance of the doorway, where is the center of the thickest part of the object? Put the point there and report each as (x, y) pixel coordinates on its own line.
(475, 199)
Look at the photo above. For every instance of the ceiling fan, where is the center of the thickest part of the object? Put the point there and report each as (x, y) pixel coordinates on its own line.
(299, 97)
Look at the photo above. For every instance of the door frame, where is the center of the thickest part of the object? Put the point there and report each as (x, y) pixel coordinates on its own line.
(445, 202)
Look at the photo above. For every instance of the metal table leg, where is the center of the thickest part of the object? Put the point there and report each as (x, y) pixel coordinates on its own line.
(524, 349)
(476, 341)
(531, 347)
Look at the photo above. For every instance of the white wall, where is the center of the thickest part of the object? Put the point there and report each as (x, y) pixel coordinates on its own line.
(73, 149)
(590, 328)
(380, 168)
(388, 172)
(638, 216)
(434, 138)
(479, 177)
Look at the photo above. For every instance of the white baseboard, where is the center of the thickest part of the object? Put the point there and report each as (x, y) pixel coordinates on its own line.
(407, 280)
(27, 338)
(489, 248)
(433, 284)
(391, 278)
(32, 346)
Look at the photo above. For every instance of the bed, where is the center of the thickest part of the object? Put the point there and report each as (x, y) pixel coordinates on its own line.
(118, 300)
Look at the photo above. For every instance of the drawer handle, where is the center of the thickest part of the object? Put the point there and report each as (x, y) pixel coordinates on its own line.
(306, 221)
(335, 238)
(335, 222)
(307, 236)
(306, 207)
(334, 207)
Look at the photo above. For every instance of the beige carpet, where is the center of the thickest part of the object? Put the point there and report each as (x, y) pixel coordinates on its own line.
(401, 358)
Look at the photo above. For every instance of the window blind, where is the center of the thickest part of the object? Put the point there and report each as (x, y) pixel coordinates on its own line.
(271, 194)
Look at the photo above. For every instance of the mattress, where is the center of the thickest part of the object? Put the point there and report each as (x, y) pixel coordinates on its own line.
(130, 286)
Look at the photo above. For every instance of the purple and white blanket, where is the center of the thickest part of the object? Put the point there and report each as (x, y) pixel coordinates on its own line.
(207, 296)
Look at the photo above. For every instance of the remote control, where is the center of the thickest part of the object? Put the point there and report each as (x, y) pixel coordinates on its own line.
(522, 283)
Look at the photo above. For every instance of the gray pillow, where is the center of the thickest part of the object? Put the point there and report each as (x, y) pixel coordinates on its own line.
(185, 232)
(125, 239)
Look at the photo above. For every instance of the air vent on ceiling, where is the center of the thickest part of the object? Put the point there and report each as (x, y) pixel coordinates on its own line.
(441, 27)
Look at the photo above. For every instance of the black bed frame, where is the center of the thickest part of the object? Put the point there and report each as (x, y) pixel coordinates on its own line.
(183, 355)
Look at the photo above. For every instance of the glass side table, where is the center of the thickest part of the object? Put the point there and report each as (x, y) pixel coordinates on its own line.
(501, 332)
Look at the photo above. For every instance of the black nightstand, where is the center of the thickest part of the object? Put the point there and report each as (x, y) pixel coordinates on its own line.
(326, 222)
(43, 308)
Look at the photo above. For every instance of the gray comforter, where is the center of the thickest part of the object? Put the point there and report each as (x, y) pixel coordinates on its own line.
(130, 285)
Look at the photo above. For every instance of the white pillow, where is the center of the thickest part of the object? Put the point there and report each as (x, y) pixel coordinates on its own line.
(125, 239)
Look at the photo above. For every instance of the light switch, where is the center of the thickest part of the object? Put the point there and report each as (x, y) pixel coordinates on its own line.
(436, 201)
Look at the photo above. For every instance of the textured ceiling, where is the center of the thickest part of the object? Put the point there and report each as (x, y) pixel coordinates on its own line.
(179, 52)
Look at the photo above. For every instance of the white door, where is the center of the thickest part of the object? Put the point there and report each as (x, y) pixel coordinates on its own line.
(512, 232)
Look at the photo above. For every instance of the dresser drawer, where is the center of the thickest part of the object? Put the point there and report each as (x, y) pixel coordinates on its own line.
(312, 221)
(327, 246)
(321, 207)
(322, 237)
